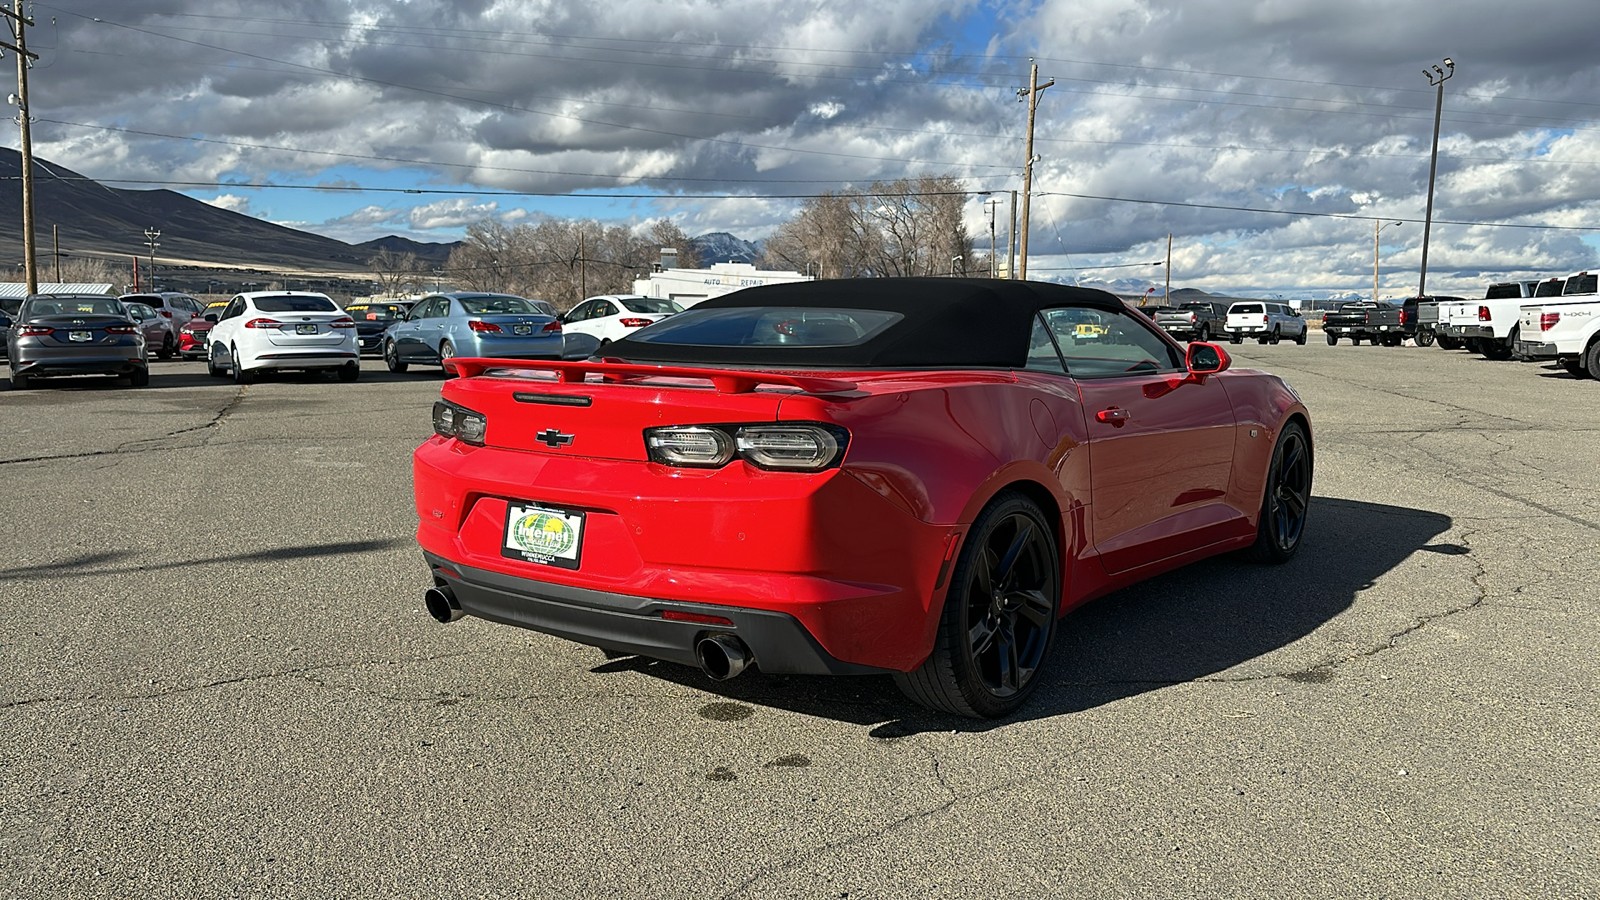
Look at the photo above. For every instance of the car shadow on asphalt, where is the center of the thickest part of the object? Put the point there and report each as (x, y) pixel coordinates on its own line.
(1191, 625)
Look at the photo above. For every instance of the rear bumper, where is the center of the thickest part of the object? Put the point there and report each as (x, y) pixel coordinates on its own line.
(1476, 331)
(302, 359)
(630, 624)
(111, 361)
(1535, 350)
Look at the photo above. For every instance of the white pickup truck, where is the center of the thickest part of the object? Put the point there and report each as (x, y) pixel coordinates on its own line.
(1489, 326)
(1565, 328)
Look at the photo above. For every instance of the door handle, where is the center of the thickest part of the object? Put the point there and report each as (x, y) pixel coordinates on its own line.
(1113, 416)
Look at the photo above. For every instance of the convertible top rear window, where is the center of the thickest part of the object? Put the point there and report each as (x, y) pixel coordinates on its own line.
(792, 326)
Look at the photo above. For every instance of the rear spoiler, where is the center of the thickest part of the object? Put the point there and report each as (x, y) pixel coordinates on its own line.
(725, 381)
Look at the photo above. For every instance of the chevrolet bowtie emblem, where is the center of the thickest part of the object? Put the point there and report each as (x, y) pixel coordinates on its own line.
(553, 438)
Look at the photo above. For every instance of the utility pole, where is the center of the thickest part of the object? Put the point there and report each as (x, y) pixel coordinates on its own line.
(994, 264)
(150, 235)
(1011, 240)
(1031, 94)
(19, 28)
(1437, 77)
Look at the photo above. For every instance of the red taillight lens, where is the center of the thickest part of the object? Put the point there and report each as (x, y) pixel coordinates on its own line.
(1325, 318)
(482, 327)
(263, 323)
(1193, 318)
(165, 313)
(1404, 316)
(35, 330)
(121, 329)
(552, 328)
(634, 323)
(1548, 321)
(1483, 314)
(343, 323)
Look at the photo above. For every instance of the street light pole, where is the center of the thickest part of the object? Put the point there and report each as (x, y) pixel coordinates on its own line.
(1377, 226)
(1437, 77)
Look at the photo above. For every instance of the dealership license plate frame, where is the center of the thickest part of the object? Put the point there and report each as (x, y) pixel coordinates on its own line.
(543, 534)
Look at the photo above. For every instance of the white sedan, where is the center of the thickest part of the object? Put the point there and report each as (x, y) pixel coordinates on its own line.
(283, 330)
(611, 317)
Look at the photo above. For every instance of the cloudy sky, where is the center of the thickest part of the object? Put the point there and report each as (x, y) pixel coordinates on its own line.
(1266, 136)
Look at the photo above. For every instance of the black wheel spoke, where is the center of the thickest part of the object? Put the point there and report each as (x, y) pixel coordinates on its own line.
(981, 637)
(1035, 608)
(1008, 563)
(1006, 648)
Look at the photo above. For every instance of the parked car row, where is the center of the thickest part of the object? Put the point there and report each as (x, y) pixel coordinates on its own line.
(1267, 321)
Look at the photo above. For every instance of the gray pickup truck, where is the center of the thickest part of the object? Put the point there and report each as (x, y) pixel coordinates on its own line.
(1196, 320)
(1377, 322)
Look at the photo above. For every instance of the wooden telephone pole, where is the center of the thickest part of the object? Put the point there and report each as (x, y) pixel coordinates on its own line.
(1031, 94)
(19, 26)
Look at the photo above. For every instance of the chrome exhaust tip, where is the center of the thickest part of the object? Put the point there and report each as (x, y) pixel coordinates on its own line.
(441, 603)
(722, 656)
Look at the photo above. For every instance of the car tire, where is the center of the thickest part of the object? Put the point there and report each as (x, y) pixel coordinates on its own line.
(1277, 336)
(1355, 340)
(1448, 343)
(1591, 359)
(241, 375)
(1236, 339)
(1301, 338)
(1501, 350)
(1008, 578)
(169, 348)
(1332, 339)
(1204, 334)
(349, 372)
(391, 357)
(1575, 367)
(447, 352)
(1262, 338)
(139, 377)
(1424, 337)
(20, 382)
(212, 369)
(1286, 500)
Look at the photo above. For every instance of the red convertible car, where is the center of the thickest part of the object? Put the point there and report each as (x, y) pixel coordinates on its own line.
(913, 476)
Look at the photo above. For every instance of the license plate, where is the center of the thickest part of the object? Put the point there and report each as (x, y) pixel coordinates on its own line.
(522, 329)
(306, 329)
(80, 336)
(540, 534)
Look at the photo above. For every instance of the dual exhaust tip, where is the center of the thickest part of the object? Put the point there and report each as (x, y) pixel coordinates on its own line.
(721, 656)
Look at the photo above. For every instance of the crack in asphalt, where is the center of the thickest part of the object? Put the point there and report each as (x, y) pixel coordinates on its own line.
(152, 443)
(297, 673)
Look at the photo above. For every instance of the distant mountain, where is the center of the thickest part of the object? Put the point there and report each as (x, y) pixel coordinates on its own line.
(721, 247)
(92, 219)
(431, 252)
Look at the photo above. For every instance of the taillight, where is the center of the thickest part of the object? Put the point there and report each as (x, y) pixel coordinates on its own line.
(263, 323)
(1264, 320)
(1193, 318)
(346, 322)
(1548, 321)
(35, 330)
(552, 328)
(1325, 318)
(1366, 318)
(1483, 314)
(121, 329)
(634, 323)
(482, 327)
(1404, 316)
(165, 313)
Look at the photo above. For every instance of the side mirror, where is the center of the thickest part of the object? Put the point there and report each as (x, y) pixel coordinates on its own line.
(1207, 359)
(210, 317)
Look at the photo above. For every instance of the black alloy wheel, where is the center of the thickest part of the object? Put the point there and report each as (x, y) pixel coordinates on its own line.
(1287, 499)
(999, 615)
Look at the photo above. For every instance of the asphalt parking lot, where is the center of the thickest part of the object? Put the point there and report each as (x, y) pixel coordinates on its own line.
(217, 680)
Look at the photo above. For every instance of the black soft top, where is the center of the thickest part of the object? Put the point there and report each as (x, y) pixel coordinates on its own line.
(945, 323)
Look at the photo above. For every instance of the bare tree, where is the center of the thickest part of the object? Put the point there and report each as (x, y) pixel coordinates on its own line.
(88, 270)
(902, 227)
(394, 272)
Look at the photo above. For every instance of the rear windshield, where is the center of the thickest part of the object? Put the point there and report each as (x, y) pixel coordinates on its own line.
(73, 306)
(649, 305)
(478, 306)
(155, 300)
(1502, 291)
(1549, 288)
(376, 312)
(1195, 306)
(1245, 308)
(1581, 283)
(295, 304)
(791, 326)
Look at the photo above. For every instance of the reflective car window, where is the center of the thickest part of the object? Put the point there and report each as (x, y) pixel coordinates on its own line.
(1103, 343)
(1042, 353)
(650, 305)
(295, 304)
(768, 325)
(477, 306)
